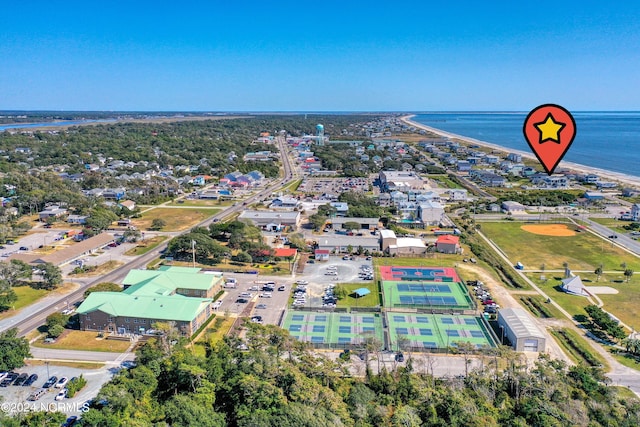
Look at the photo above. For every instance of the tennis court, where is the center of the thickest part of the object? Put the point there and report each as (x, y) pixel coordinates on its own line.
(427, 274)
(437, 331)
(333, 330)
(426, 295)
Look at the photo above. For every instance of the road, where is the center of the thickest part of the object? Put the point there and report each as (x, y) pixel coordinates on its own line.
(79, 356)
(38, 317)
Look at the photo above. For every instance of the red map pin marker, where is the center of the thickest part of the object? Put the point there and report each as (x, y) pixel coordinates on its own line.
(549, 129)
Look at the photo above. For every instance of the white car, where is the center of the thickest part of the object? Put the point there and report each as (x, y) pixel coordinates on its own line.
(266, 295)
(302, 282)
(61, 394)
(62, 382)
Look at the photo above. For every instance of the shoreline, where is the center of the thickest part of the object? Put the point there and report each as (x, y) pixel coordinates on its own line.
(629, 180)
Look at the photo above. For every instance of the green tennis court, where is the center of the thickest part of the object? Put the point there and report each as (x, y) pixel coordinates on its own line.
(333, 330)
(437, 331)
(426, 295)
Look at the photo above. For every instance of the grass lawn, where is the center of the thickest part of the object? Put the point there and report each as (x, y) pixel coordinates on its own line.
(371, 300)
(624, 304)
(101, 269)
(26, 296)
(574, 352)
(175, 219)
(584, 251)
(84, 340)
(203, 203)
(574, 304)
(146, 245)
(77, 365)
(538, 306)
(445, 181)
(613, 223)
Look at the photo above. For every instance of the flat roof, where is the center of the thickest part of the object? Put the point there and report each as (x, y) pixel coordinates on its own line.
(268, 215)
(76, 250)
(520, 322)
(344, 220)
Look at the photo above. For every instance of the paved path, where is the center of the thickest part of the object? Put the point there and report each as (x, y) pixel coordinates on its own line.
(79, 355)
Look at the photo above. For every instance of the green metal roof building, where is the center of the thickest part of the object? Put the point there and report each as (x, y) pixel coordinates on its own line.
(173, 294)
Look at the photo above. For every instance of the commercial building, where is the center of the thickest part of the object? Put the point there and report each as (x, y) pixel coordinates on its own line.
(366, 223)
(339, 244)
(519, 328)
(171, 294)
(399, 180)
(269, 219)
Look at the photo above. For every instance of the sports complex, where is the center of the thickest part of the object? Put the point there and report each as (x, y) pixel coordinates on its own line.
(424, 309)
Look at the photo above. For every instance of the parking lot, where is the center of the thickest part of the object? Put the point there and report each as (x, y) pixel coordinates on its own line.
(14, 398)
(269, 308)
(317, 275)
(334, 185)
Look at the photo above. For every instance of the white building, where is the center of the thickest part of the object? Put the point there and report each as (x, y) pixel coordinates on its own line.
(431, 213)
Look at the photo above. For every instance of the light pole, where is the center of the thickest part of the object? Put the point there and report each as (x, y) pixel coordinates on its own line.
(193, 252)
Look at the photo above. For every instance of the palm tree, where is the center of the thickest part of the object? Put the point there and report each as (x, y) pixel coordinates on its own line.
(598, 273)
(628, 273)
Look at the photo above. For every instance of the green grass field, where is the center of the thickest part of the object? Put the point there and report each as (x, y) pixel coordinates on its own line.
(371, 300)
(614, 224)
(623, 305)
(175, 219)
(584, 251)
(574, 304)
(84, 340)
(26, 296)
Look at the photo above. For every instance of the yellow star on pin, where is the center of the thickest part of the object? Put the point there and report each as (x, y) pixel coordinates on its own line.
(549, 129)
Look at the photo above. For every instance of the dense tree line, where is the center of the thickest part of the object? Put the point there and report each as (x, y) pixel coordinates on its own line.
(539, 197)
(274, 380)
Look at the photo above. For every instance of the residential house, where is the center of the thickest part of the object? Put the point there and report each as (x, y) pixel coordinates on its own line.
(53, 211)
(77, 219)
(431, 213)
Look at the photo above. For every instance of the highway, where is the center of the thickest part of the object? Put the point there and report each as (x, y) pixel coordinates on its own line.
(38, 317)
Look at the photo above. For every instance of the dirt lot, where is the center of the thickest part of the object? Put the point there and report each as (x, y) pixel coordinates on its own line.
(549, 230)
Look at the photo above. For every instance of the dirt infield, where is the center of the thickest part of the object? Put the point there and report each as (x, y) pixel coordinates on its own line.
(560, 230)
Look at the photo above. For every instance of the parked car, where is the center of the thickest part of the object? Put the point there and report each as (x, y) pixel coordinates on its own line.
(36, 395)
(261, 306)
(242, 301)
(62, 382)
(70, 421)
(256, 319)
(21, 379)
(399, 357)
(24, 248)
(50, 382)
(281, 288)
(61, 394)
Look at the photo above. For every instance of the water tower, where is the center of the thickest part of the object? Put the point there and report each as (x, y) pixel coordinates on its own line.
(319, 134)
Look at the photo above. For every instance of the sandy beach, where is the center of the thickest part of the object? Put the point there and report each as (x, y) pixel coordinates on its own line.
(625, 180)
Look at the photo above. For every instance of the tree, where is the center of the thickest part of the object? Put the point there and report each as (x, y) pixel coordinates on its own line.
(598, 273)
(351, 225)
(628, 273)
(103, 287)
(57, 319)
(131, 235)
(157, 224)
(340, 292)
(13, 350)
(55, 331)
(51, 275)
(242, 257)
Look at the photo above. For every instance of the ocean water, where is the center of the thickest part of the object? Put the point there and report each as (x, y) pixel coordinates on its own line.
(606, 140)
(52, 124)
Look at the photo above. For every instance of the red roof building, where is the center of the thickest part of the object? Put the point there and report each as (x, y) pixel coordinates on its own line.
(448, 244)
(285, 252)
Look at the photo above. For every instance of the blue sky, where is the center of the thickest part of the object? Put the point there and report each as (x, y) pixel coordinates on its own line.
(319, 56)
